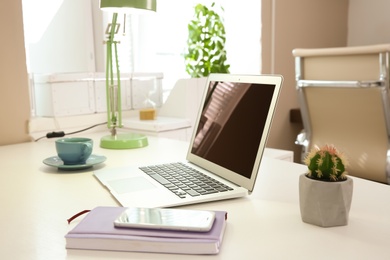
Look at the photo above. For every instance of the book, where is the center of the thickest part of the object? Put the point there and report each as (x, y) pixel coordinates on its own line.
(97, 232)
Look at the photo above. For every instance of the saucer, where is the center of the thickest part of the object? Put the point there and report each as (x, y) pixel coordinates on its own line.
(55, 161)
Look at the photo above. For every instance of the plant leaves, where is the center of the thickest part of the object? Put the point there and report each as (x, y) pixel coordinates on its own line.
(206, 51)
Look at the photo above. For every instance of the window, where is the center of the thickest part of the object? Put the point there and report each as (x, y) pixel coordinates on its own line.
(67, 38)
(159, 39)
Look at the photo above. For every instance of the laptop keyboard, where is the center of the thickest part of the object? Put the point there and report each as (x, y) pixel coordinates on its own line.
(183, 180)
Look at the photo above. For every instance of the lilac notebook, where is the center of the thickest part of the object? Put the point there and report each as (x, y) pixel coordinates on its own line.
(97, 232)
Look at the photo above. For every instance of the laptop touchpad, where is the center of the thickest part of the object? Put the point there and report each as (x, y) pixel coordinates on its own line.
(131, 184)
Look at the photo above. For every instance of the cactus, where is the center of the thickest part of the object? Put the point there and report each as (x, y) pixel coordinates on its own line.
(327, 164)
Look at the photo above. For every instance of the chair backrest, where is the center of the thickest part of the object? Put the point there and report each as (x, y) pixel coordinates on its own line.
(344, 99)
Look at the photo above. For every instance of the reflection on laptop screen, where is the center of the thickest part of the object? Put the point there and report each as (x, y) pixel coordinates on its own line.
(232, 124)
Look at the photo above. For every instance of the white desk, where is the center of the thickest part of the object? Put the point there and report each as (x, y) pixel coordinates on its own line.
(168, 127)
(36, 200)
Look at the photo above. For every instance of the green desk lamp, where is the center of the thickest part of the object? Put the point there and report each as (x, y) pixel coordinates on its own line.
(113, 91)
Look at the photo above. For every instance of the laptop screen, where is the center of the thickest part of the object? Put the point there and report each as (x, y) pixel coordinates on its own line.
(234, 120)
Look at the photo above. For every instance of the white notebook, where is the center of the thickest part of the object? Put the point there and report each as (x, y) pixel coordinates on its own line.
(227, 144)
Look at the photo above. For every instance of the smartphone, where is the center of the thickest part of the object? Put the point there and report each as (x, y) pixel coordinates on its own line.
(166, 218)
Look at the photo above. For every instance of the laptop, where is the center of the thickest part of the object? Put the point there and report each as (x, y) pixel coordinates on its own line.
(227, 144)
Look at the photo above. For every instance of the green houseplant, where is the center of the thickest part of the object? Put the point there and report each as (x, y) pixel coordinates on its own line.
(325, 191)
(206, 51)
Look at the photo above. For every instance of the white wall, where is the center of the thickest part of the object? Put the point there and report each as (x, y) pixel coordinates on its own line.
(60, 38)
(368, 22)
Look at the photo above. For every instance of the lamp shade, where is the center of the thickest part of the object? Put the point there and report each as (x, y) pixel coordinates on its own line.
(126, 6)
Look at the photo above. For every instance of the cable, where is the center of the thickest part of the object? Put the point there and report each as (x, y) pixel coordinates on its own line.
(62, 133)
(79, 131)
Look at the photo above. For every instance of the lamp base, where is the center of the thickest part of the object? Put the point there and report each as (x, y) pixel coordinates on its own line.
(124, 141)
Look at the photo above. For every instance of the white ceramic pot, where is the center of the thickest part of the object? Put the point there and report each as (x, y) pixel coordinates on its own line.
(325, 204)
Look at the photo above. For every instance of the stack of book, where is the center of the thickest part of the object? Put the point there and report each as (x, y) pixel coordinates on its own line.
(97, 232)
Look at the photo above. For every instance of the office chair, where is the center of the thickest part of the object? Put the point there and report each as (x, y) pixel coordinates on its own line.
(344, 100)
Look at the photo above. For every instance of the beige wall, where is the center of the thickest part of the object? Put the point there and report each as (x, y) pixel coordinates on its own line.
(368, 22)
(296, 24)
(14, 97)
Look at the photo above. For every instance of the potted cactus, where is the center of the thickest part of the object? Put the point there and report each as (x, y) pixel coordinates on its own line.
(325, 191)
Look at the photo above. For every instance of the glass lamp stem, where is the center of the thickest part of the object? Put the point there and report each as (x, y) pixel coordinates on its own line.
(113, 91)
